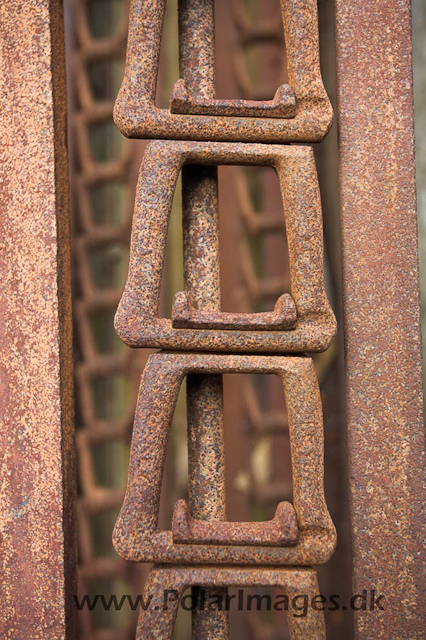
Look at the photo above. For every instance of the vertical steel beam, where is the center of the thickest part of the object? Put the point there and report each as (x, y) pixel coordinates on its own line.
(381, 308)
(36, 402)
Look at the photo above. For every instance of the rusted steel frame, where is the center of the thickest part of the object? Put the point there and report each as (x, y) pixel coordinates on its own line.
(90, 48)
(97, 500)
(37, 528)
(201, 262)
(97, 171)
(255, 223)
(263, 29)
(381, 304)
(262, 423)
(137, 320)
(157, 622)
(137, 536)
(251, 32)
(137, 116)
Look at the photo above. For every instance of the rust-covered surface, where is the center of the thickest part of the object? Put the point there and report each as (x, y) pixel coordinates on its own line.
(166, 585)
(137, 116)
(137, 536)
(201, 275)
(198, 324)
(37, 548)
(381, 304)
(281, 530)
(282, 105)
(185, 316)
(137, 320)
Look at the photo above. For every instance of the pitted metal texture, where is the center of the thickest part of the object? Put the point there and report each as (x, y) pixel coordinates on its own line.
(199, 133)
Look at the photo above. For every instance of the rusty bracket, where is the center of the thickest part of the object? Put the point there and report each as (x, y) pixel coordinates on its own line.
(157, 621)
(137, 536)
(184, 316)
(283, 104)
(281, 531)
(137, 321)
(300, 111)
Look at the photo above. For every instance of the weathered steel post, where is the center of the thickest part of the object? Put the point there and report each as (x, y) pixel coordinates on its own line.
(382, 313)
(37, 448)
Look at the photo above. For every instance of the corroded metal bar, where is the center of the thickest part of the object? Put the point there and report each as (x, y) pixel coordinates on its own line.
(185, 316)
(280, 531)
(382, 313)
(283, 104)
(37, 533)
(200, 219)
